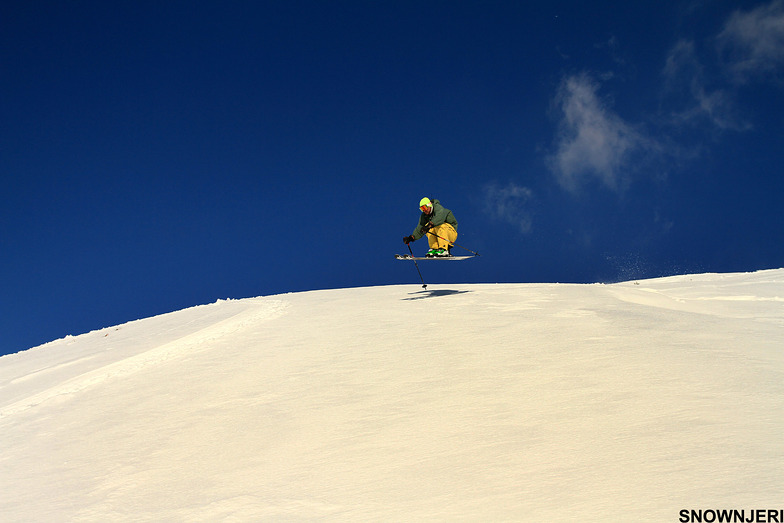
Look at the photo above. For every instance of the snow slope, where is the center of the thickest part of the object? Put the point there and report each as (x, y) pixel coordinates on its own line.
(513, 402)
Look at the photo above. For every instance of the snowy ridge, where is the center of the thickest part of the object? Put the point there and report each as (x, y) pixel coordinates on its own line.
(516, 402)
(251, 311)
(750, 294)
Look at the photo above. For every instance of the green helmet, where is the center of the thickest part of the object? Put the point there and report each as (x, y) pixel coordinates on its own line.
(425, 202)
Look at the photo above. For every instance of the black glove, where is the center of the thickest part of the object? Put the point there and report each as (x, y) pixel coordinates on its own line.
(408, 239)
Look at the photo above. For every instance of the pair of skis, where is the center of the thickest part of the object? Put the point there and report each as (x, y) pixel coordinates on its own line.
(412, 257)
(415, 258)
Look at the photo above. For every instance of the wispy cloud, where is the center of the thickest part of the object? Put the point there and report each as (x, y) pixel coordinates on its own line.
(751, 46)
(510, 204)
(753, 42)
(684, 72)
(593, 142)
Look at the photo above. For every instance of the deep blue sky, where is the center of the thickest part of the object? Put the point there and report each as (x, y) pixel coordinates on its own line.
(160, 155)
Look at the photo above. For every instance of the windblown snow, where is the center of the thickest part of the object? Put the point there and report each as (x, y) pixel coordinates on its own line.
(508, 402)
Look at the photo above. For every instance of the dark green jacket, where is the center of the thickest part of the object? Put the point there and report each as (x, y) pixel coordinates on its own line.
(440, 216)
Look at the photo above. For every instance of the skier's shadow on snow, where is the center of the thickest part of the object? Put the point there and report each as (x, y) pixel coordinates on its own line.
(434, 294)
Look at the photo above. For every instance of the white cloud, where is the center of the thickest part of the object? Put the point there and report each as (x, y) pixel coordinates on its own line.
(683, 72)
(753, 41)
(681, 58)
(593, 142)
(751, 45)
(510, 204)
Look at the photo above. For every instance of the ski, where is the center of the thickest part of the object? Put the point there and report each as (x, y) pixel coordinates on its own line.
(409, 257)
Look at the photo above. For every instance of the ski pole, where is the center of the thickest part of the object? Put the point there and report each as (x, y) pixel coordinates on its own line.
(424, 285)
(453, 243)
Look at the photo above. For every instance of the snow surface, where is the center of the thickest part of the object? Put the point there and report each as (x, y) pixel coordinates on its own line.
(509, 402)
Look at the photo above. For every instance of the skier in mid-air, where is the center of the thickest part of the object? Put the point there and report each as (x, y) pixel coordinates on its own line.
(440, 226)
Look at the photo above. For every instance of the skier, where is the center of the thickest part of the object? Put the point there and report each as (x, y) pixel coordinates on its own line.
(440, 226)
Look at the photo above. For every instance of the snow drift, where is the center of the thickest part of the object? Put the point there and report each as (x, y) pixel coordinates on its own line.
(525, 402)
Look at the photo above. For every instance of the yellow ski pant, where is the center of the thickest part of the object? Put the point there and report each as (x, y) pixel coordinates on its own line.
(442, 236)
